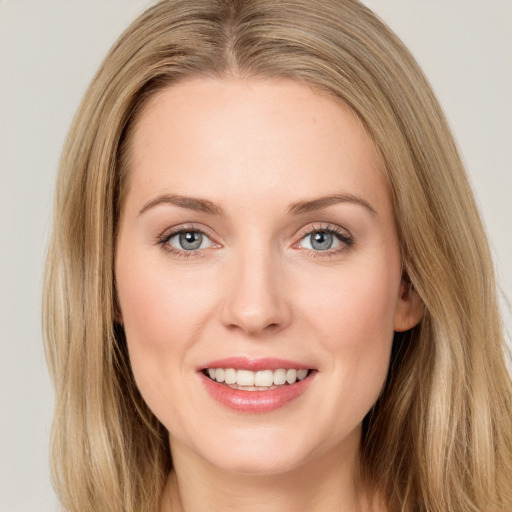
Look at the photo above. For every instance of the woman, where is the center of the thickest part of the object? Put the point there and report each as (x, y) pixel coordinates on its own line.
(268, 284)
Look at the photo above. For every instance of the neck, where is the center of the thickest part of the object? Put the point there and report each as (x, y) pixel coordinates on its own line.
(325, 482)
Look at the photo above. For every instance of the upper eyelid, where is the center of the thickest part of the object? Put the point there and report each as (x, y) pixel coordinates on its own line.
(332, 228)
(172, 231)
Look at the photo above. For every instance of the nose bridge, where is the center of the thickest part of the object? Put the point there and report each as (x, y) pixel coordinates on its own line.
(256, 300)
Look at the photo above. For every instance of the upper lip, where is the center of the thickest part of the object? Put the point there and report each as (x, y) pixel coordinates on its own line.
(247, 363)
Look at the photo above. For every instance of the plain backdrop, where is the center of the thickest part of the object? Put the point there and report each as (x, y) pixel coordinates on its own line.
(48, 53)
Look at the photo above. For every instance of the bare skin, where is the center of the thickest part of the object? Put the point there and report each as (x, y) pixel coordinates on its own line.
(297, 258)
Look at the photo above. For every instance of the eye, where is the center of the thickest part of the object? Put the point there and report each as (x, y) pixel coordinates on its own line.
(188, 240)
(319, 241)
(328, 240)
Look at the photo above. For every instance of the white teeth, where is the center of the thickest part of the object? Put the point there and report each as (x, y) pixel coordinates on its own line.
(301, 374)
(259, 379)
(245, 378)
(279, 377)
(264, 378)
(230, 376)
(291, 376)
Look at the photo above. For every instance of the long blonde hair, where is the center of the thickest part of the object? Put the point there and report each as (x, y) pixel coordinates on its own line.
(440, 436)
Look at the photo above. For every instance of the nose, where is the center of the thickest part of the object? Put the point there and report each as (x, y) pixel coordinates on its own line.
(256, 301)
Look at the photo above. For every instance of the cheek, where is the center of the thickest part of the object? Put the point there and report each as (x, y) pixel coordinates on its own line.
(355, 325)
(162, 314)
(358, 307)
(157, 303)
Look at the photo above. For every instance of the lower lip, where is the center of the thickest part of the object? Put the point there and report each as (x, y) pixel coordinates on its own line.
(256, 401)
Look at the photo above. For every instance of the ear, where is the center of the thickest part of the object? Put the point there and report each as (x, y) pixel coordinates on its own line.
(408, 309)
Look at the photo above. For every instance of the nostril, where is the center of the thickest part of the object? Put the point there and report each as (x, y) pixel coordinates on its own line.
(255, 308)
(254, 328)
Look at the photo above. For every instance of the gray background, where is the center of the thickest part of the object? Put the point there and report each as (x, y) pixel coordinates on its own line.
(48, 53)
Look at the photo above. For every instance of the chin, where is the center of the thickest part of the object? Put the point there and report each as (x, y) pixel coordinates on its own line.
(252, 452)
(258, 454)
(261, 464)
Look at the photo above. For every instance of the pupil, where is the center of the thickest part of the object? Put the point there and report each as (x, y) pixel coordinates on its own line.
(321, 241)
(191, 240)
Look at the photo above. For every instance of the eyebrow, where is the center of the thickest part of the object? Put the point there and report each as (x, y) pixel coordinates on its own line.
(301, 207)
(190, 203)
(323, 202)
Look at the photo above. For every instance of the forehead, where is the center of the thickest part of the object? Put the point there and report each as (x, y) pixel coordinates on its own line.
(266, 137)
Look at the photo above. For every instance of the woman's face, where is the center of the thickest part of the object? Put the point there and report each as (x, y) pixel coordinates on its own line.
(257, 238)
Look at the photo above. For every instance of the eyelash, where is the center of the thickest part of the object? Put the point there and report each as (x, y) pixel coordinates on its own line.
(164, 239)
(343, 236)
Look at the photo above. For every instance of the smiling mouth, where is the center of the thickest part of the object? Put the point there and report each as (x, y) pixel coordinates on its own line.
(262, 380)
